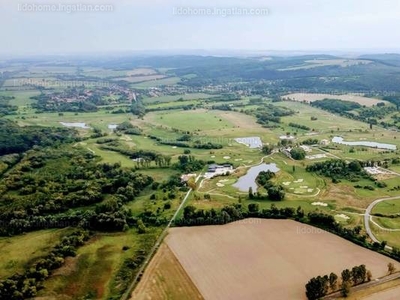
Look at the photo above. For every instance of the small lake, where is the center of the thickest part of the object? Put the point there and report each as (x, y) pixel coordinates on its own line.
(340, 140)
(75, 125)
(249, 180)
(251, 142)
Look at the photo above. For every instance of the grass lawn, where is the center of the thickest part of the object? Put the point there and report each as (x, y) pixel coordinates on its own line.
(392, 237)
(389, 207)
(34, 244)
(390, 223)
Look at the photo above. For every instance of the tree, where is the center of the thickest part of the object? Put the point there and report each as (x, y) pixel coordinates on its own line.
(346, 275)
(267, 149)
(355, 166)
(251, 194)
(253, 207)
(345, 289)
(276, 193)
(298, 153)
(192, 183)
(391, 268)
(333, 278)
(317, 287)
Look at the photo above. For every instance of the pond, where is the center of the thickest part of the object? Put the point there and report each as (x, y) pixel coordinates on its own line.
(251, 142)
(75, 125)
(340, 140)
(249, 180)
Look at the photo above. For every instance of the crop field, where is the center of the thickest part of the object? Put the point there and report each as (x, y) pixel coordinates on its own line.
(173, 98)
(155, 83)
(165, 278)
(348, 97)
(327, 62)
(198, 120)
(22, 97)
(264, 257)
(141, 71)
(142, 78)
(100, 119)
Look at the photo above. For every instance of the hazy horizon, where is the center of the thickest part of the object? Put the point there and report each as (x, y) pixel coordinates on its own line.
(67, 27)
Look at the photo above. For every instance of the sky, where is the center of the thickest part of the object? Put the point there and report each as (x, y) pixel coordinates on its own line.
(161, 25)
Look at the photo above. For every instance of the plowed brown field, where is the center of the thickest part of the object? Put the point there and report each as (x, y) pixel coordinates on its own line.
(165, 278)
(264, 259)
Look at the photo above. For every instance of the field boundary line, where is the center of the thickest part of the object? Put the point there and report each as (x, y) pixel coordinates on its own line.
(153, 250)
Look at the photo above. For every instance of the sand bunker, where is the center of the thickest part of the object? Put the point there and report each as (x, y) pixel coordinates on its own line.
(286, 183)
(343, 216)
(319, 203)
(226, 157)
(299, 180)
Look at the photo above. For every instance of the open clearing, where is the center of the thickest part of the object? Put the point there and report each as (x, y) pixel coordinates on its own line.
(314, 63)
(34, 245)
(348, 97)
(165, 279)
(253, 258)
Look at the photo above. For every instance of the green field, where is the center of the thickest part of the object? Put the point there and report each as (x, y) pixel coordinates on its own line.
(392, 237)
(170, 98)
(35, 245)
(389, 207)
(390, 223)
(92, 273)
(22, 97)
(155, 83)
(100, 119)
(198, 120)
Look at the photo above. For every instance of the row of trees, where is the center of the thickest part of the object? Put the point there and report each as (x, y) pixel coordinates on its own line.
(320, 286)
(196, 217)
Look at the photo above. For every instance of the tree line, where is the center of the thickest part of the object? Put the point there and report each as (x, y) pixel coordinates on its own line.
(320, 286)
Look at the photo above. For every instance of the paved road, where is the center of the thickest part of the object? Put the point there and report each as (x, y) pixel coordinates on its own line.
(367, 217)
(127, 294)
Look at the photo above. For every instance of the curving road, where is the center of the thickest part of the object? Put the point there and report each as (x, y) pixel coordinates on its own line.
(367, 217)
